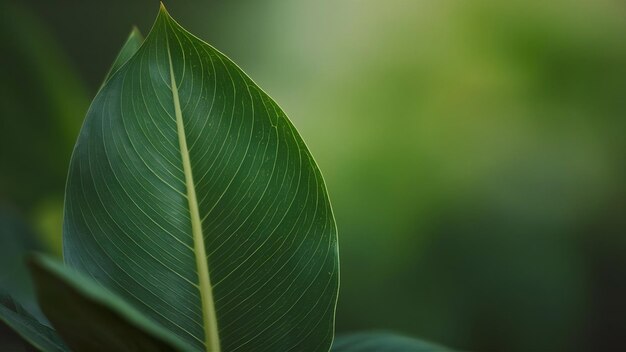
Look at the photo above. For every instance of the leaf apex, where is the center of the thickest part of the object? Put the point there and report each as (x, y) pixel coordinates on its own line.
(162, 8)
(135, 32)
(164, 15)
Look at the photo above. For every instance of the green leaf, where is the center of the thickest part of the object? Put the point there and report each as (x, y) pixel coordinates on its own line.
(90, 318)
(383, 342)
(191, 195)
(130, 47)
(31, 331)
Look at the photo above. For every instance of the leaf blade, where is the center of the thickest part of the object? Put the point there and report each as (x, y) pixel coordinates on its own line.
(267, 226)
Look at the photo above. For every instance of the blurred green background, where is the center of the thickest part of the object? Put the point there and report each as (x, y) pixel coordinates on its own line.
(473, 150)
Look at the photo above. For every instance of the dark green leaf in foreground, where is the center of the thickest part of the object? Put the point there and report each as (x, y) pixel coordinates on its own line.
(31, 334)
(191, 195)
(90, 318)
(383, 342)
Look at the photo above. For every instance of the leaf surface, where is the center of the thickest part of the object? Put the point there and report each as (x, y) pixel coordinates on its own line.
(91, 318)
(191, 195)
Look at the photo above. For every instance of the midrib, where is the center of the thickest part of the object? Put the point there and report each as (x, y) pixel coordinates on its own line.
(211, 336)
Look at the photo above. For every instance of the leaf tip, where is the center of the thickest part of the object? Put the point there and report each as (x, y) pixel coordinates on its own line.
(162, 8)
(134, 31)
(163, 15)
(134, 37)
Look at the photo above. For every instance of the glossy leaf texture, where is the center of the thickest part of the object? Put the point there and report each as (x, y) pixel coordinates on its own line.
(191, 195)
(383, 342)
(91, 318)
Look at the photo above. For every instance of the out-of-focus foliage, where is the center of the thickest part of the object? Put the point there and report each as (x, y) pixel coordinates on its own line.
(16, 241)
(27, 332)
(382, 341)
(42, 106)
(489, 138)
(473, 150)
